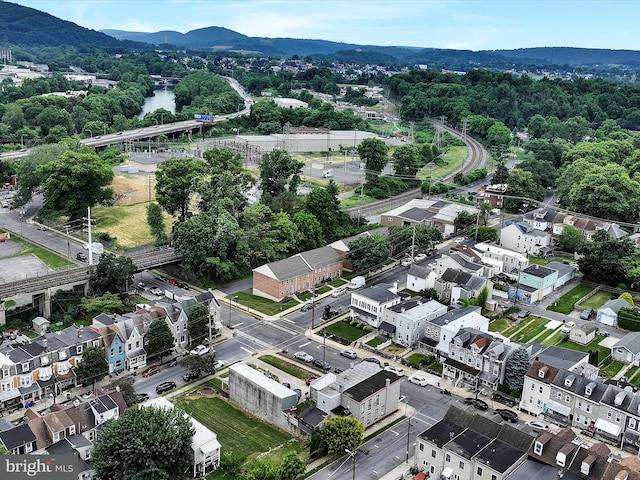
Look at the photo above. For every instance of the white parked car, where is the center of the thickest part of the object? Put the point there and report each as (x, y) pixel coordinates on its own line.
(304, 356)
(419, 257)
(418, 379)
(406, 262)
(459, 240)
(156, 291)
(338, 291)
(537, 426)
(219, 364)
(567, 327)
(200, 350)
(397, 370)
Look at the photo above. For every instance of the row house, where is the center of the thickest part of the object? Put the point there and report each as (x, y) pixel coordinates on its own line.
(494, 194)
(510, 260)
(540, 219)
(603, 410)
(368, 304)
(456, 285)
(43, 368)
(536, 282)
(477, 358)
(298, 273)
(132, 328)
(465, 446)
(405, 322)
(587, 226)
(523, 238)
(439, 331)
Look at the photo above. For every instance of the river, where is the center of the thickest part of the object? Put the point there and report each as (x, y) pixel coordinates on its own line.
(162, 99)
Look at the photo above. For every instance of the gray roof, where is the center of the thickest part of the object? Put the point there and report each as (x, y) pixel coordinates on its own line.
(562, 268)
(419, 270)
(304, 262)
(631, 341)
(579, 385)
(455, 315)
(371, 385)
(17, 436)
(561, 357)
(538, 271)
(416, 214)
(543, 214)
(379, 293)
(616, 304)
(587, 328)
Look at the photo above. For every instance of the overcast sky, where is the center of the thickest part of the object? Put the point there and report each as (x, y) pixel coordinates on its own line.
(464, 24)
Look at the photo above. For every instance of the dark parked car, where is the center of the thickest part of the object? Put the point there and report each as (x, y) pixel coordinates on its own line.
(141, 397)
(321, 364)
(586, 313)
(477, 403)
(175, 361)
(187, 377)
(82, 256)
(524, 313)
(507, 414)
(306, 307)
(372, 360)
(165, 387)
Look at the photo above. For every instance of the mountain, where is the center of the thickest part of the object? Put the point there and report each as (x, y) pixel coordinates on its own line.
(27, 26)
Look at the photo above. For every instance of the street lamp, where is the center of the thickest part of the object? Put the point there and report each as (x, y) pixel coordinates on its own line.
(90, 132)
(353, 457)
(240, 105)
(406, 403)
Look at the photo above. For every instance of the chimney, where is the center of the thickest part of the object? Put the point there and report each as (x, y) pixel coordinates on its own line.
(45, 343)
(387, 382)
(80, 332)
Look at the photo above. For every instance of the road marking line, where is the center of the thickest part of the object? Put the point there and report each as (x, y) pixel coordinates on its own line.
(394, 432)
(237, 324)
(246, 350)
(290, 321)
(304, 345)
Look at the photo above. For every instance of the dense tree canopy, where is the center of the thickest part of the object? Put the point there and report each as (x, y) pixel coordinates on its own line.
(144, 443)
(342, 433)
(368, 251)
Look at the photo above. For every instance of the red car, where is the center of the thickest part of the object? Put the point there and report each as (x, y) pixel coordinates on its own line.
(310, 379)
(152, 370)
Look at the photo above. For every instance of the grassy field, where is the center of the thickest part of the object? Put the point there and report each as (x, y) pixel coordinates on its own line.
(633, 375)
(547, 335)
(261, 304)
(499, 325)
(287, 367)
(237, 430)
(345, 330)
(51, 260)
(597, 300)
(566, 302)
(127, 219)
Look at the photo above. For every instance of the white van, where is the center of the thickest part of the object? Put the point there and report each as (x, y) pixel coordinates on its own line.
(326, 174)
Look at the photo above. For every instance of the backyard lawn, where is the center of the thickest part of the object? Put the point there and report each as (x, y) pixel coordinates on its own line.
(261, 304)
(519, 333)
(566, 302)
(287, 367)
(610, 367)
(596, 300)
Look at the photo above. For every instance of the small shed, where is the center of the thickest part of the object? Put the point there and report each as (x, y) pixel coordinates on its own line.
(583, 334)
(40, 325)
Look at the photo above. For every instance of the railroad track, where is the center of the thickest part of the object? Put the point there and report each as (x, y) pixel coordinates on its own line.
(476, 158)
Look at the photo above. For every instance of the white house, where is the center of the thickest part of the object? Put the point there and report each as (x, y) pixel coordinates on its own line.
(421, 278)
(405, 322)
(367, 304)
(608, 313)
(627, 349)
(523, 238)
(205, 445)
(439, 332)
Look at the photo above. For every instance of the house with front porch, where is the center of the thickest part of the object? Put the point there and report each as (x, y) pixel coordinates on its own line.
(587, 226)
(368, 304)
(456, 285)
(439, 331)
(477, 359)
(405, 322)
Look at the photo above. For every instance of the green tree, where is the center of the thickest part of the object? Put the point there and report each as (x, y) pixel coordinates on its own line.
(516, 368)
(125, 387)
(320, 204)
(405, 160)
(570, 239)
(484, 211)
(292, 466)
(499, 135)
(501, 175)
(108, 303)
(199, 364)
(75, 181)
(463, 220)
(261, 470)
(544, 173)
(279, 175)
(144, 443)
(483, 234)
(175, 181)
(198, 323)
(368, 251)
(156, 223)
(342, 433)
(374, 153)
(93, 366)
(231, 463)
(628, 298)
(159, 339)
(606, 259)
(113, 274)
(310, 231)
(521, 184)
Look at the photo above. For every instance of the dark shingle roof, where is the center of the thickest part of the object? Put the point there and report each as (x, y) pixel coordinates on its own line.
(17, 436)
(371, 385)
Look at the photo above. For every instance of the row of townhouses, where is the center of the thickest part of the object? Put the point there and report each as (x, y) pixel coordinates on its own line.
(45, 366)
(71, 428)
(466, 446)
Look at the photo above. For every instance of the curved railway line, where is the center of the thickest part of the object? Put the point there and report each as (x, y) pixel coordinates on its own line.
(476, 158)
